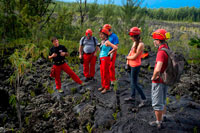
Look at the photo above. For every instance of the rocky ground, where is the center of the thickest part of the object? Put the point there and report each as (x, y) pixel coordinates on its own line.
(84, 109)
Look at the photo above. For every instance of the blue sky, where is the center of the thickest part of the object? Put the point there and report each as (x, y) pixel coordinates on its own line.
(155, 3)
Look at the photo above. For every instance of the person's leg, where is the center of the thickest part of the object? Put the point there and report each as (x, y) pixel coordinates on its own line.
(132, 82)
(135, 80)
(92, 66)
(71, 73)
(164, 101)
(112, 67)
(157, 103)
(86, 58)
(102, 72)
(57, 76)
(106, 73)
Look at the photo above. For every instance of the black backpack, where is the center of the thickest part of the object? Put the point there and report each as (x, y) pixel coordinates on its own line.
(93, 40)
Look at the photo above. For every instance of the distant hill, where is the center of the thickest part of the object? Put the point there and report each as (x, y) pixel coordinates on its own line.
(154, 3)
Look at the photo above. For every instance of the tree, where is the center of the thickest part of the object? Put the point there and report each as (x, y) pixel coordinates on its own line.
(108, 12)
(20, 16)
(93, 11)
(83, 10)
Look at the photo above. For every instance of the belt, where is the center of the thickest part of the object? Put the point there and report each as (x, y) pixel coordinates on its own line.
(88, 53)
(59, 62)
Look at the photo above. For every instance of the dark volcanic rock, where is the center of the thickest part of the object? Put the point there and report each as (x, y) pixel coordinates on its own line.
(81, 108)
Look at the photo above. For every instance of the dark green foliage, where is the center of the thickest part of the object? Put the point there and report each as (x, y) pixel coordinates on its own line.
(19, 17)
(195, 42)
(180, 14)
(94, 10)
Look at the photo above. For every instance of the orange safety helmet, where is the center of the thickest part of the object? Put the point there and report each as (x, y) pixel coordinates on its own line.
(134, 31)
(88, 31)
(107, 26)
(105, 31)
(161, 34)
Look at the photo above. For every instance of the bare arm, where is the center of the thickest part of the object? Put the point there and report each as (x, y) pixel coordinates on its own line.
(139, 50)
(157, 70)
(52, 56)
(80, 51)
(108, 43)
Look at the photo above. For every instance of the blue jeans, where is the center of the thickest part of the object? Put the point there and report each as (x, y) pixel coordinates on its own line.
(134, 85)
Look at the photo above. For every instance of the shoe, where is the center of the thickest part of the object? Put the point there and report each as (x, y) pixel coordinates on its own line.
(100, 89)
(142, 103)
(103, 91)
(87, 79)
(60, 91)
(156, 124)
(164, 118)
(129, 99)
(112, 83)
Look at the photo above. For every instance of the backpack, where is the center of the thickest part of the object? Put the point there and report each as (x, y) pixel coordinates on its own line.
(174, 68)
(93, 40)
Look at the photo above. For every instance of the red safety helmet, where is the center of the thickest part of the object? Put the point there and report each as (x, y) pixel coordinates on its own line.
(105, 31)
(88, 31)
(107, 26)
(134, 31)
(161, 34)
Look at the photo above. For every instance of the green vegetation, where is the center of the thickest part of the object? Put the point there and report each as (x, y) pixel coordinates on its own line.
(89, 128)
(115, 115)
(73, 90)
(167, 100)
(27, 26)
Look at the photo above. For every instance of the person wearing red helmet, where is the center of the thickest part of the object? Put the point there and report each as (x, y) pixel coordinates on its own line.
(58, 53)
(159, 89)
(105, 59)
(134, 61)
(114, 40)
(87, 52)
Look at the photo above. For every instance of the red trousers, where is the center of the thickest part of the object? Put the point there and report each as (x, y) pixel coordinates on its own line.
(89, 61)
(112, 67)
(104, 69)
(66, 69)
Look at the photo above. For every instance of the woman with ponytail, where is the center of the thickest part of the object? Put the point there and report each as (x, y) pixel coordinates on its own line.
(134, 61)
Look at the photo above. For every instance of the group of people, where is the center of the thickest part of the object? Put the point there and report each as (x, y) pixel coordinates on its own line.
(108, 46)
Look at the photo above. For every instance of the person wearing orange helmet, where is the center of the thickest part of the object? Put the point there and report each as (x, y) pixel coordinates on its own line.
(58, 53)
(87, 52)
(159, 89)
(105, 59)
(134, 61)
(114, 40)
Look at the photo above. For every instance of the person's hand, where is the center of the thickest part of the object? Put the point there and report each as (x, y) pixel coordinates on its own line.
(99, 44)
(95, 54)
(111, 56)
(53, 55)
(62, 54)
(154, 78)
(80, 56)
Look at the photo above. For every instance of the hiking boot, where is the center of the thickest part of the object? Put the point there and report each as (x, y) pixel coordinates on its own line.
(165, 118)
(87, 79)
(129, 99)
(60, 91)
(142, 103)
(156, 124)
(112, 83)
